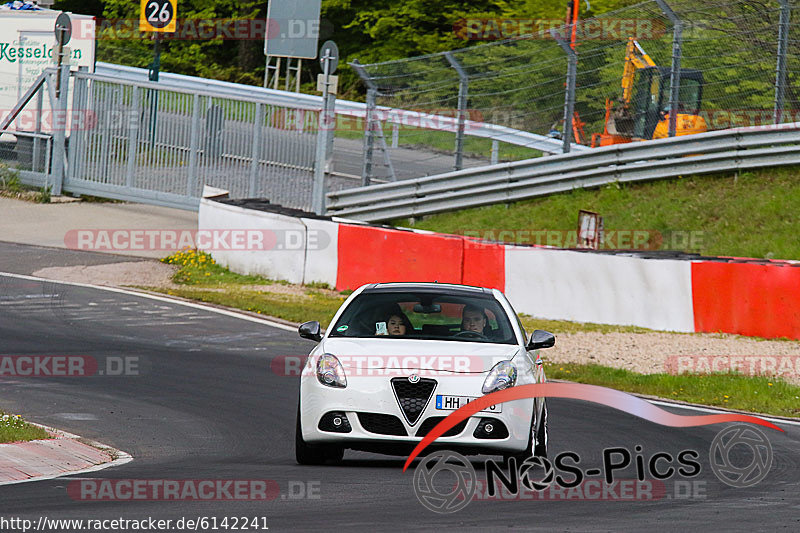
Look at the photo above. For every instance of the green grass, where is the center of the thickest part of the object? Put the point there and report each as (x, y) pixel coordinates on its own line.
(206, 281)
(441, 141)
(564, 326)
(298, 308)
(14, 429)
(732, 391)
(12, 187)
(200, 269)
(753, 214)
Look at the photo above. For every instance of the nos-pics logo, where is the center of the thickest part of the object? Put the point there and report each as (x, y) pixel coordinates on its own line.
(446, 481)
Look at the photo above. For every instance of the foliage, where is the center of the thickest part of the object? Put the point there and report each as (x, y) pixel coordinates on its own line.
(14, 429)
(9, 179)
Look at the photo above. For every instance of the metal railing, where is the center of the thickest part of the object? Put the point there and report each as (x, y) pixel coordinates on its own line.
(718, 151)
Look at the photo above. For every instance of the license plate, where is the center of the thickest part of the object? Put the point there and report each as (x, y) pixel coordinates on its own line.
(451, 403)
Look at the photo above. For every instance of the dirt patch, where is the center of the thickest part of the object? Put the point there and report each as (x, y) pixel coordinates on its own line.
(652, 353)
(133, 273)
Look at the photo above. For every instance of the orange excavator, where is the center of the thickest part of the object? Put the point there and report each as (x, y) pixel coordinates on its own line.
(642, 112)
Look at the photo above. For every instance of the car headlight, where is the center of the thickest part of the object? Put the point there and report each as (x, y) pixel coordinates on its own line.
(330, 371)
(502, 376)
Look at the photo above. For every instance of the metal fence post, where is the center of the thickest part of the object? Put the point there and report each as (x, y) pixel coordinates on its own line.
(569, 97)
(60, 133)
(194, 142)
(325, 129)
(133, 138)
(369, 134)
(675, 74)
(780, 69)
(463, 87)
(255, 149)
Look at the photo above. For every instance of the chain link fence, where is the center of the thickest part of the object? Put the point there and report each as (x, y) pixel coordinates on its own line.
(736, 64)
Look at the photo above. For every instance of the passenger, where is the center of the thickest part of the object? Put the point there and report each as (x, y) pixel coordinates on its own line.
(394, 323)
(398, 324)
(474, 319)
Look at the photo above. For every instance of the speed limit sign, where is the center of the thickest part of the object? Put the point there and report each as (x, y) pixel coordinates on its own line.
(158, 15)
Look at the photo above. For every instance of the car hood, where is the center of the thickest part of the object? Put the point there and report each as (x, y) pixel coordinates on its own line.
(417, 354)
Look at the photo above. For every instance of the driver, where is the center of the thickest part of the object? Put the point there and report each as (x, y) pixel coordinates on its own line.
(474, 319)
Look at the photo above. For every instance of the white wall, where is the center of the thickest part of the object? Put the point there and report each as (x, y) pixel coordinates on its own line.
(605, 289)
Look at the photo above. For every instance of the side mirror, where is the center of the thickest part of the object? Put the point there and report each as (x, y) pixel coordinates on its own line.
(541, 339)
(310, 330)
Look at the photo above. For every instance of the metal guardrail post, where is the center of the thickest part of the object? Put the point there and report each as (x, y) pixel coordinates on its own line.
(675, 74)
(463, 88)
(780, 69)
(569, 97)
(369, 131)
(60, 133)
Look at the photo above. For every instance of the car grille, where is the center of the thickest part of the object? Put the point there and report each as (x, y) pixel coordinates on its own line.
(431, 421)
(413, 397)
(382, 424)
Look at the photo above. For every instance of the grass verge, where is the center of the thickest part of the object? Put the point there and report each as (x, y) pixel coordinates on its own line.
(12, 187)
(731, 391)
(699, 214)
(201, 279)
(14, 429)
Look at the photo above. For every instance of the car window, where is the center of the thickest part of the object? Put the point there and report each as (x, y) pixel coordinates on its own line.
(425, 316)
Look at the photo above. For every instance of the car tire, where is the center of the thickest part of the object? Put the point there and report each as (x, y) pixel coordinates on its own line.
(537, 440)
(540, 448)
(309, 454)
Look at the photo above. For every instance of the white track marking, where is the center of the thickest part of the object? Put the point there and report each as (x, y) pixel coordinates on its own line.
(225, 312)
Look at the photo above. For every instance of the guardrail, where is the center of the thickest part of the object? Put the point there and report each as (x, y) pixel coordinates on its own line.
(717, 151)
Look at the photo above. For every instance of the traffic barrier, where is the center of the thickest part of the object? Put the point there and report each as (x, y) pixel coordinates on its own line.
(747, 299)
(600, 288)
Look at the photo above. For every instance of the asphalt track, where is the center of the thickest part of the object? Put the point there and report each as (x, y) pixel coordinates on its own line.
(207, 406)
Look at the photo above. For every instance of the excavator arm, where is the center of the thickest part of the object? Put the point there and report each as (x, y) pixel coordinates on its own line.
(635, 58)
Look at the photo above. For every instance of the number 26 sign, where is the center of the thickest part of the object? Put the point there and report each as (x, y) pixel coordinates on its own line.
(158, 15)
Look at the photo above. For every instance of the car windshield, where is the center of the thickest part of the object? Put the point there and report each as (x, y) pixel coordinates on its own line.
(425, 315)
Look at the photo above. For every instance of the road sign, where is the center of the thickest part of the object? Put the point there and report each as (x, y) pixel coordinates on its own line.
(158, 15)
(329, 48)
(63, 29)
(333, 83)
(292, 28)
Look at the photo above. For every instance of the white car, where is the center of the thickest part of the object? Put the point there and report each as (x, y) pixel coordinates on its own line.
(399, 357)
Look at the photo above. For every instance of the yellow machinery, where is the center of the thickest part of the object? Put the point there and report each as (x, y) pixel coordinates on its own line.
(643, 110)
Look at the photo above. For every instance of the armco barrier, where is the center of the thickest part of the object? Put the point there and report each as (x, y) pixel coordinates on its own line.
(715, 151)
(730, 296)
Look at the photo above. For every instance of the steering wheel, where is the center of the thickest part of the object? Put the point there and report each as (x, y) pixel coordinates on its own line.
(472, 334)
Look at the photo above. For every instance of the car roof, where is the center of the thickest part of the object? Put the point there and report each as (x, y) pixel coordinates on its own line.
(439, 288)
